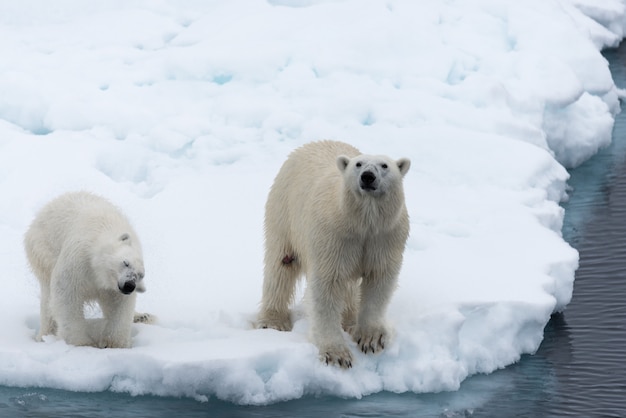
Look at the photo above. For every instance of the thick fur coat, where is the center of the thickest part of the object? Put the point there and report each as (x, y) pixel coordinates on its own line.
(339, 217)
(83, 249)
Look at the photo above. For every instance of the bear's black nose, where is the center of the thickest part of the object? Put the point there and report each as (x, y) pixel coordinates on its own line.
(128, 287)
(368, 177)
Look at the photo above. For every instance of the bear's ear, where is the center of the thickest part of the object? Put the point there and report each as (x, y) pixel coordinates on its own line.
(342, 162)
(124, 237)
(403, 165)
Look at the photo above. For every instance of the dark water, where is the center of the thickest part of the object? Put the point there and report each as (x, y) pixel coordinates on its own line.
(579, 370)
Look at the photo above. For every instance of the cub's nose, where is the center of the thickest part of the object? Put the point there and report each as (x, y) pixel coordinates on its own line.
(368, 178)
(128, 287)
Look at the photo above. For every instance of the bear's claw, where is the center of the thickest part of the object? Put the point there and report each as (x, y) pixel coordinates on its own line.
(144, 318)
(373, 341)
(339, 356)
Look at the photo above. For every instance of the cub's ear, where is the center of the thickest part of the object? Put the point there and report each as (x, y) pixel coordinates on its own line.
(124, 237)
(403, 165)
(342, 162)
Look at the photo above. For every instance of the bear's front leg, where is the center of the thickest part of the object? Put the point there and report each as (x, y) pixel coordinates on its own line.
(327, 304)
(371, 334)
(371, 338)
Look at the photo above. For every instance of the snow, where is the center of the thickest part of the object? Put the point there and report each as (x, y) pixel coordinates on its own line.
(181, 113)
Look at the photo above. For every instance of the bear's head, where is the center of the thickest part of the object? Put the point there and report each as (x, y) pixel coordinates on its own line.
(131, 271)
(372, 175)
(120, 265)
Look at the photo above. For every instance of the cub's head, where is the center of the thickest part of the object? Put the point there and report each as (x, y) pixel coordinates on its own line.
(119, 265)
(130, 267)
(372, 175)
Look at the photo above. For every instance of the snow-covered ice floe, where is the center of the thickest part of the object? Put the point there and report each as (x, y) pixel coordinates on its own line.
(181, 113)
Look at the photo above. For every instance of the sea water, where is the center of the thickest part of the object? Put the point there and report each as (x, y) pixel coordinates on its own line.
(576, 372)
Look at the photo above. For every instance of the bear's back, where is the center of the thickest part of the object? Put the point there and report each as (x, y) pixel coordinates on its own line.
(310, 167)
(320, 155)
(71, 219)
(309, 177)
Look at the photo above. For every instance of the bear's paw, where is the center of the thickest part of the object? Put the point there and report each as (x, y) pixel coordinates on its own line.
(371, 339)
(110, 342)
(144, 318)
(275, 320)
(338, 355)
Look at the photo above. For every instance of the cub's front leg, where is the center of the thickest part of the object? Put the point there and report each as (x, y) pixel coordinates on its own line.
(119, 312)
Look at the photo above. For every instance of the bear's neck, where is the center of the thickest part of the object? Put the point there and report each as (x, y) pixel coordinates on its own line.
(376, 214)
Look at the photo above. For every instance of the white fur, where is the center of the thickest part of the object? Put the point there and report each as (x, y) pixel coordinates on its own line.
(82, 249)
(349, 241)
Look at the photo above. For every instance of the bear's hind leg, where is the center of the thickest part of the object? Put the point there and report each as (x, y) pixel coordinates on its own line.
(47, 325)
(71, 324)
(281, 273)
(67, 306)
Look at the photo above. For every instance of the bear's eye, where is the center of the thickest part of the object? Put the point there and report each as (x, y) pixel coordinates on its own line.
(359, 164)
(384, 166)
(126, 263)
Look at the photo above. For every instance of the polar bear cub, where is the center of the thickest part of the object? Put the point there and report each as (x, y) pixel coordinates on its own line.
(340, 218)
(83, 249)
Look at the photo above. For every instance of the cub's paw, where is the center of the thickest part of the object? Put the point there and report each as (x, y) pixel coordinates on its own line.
(371, 339)
(337, 356)
(79, 340)
(275, 320)
(112, 343)
(144, 318)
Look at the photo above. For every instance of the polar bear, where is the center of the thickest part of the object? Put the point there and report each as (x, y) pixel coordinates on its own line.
(83, 249)
(339, 217)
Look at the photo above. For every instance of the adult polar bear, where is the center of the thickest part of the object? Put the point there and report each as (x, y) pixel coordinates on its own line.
(83, 249)
(339, 217)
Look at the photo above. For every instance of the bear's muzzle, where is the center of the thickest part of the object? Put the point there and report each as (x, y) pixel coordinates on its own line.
(368, 181)
(128, 287)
